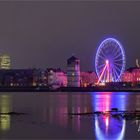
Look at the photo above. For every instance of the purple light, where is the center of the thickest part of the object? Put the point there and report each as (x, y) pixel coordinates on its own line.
(107, 62)
(111, 53)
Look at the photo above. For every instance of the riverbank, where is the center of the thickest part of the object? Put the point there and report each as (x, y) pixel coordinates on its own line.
(68, 89)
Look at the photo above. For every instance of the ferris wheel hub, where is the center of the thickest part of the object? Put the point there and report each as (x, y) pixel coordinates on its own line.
(107, 61)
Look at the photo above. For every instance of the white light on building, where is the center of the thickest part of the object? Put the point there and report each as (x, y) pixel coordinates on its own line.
(5, 62)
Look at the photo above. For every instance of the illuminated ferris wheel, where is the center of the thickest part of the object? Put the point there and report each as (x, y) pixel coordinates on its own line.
(110, 60)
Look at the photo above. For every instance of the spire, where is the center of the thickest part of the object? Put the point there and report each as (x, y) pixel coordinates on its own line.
(137, 63)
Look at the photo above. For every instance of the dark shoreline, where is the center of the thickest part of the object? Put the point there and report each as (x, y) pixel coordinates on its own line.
(68, 89)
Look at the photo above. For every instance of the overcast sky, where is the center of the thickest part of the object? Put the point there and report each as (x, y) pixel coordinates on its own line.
(44, 34)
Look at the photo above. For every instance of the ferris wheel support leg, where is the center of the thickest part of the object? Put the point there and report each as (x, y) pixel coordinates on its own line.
(101, 75)
(108, 79)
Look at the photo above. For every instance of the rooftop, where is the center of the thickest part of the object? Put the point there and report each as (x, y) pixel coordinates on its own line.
(72, 59)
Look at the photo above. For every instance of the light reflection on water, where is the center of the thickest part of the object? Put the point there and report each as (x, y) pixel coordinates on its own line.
(108, 100)
(4, 108)
(107, 127)
(48, 115)
(114, 130)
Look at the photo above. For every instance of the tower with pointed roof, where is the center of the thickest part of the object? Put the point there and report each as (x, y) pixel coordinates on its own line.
(73, 72)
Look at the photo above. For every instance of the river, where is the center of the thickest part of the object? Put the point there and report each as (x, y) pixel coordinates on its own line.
(47, 115)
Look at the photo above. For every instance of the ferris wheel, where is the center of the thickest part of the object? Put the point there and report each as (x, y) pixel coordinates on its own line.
(110, 61)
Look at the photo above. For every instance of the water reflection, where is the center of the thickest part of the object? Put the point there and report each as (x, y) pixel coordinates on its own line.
(55, 110)
(4, 108)
(78, 103)
(139, 127)
(107, 127)
(114, 130)
(104, 127)
(48, 113)
(106, 101)
(59, 106)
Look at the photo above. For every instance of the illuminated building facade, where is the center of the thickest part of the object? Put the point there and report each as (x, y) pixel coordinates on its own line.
(32, 77)
(56, 77)
(136, 75)
(40, 77)
(73, 72)
(5, 62)
(127, 77)
(88, 78)
(131, 76)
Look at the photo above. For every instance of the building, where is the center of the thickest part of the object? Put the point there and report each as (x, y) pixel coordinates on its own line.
(5, 62)
(56, 77)
(40, 77)
(127, 77)
(88, 78)
(73, 72)
(16, 77)
(132, 74)
(32, 77)
(136, 75)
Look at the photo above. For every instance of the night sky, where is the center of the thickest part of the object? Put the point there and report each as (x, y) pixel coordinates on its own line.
(44, 34)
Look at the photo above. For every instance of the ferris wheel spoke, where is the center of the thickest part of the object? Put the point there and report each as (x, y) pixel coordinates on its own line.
(115, 79)
(117, 67)
(118, 60)
(118, 49)
(102, 65)
(113, 75)
(110, 75)
(115, 48)
(117, 56)
(117, 64)
(102, 53)
(102, 57)
(116, 74)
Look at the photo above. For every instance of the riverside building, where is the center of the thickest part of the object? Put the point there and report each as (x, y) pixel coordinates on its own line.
(4, 62)
(73, 72)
